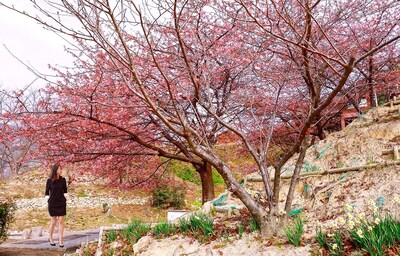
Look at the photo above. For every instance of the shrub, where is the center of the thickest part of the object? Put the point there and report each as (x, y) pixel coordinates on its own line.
(6, 216)
(295, 232)
(189, 174)
(167, 197)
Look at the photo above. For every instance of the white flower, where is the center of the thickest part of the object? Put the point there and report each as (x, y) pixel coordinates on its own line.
(377, 221)
(360, 233)
(350, 216)
(396, 199)
(361, 216)
(369, 228)
(371, 202)
(330, 235)
(341, 221)
(350, 224)
(372, 206)
(334, 246)
(348, 208)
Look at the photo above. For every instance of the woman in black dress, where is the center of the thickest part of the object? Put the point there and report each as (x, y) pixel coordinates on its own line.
(56, 186)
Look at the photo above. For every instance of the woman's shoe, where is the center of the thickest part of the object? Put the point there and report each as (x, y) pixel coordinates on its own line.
(52, 244)
(61, 244)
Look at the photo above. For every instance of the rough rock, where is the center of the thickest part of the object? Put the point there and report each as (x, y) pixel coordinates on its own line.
(248, 245)
(142, 244)
(37, 232)
(26, 233)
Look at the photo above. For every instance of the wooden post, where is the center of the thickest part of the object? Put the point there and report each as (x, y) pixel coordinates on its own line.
(396, 152)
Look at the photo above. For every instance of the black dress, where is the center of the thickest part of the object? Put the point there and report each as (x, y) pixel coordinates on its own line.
(57, 201)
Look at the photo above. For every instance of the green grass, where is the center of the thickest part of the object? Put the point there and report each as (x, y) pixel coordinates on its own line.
(385, 234)
(199, 225)
(135, 231)
(295, 232)
(254, 226)
(190, 174)
(164, 229)
(111, 236)
(321, 238)
(240, 229)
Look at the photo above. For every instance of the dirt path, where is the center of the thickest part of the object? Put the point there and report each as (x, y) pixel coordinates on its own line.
(29, 252)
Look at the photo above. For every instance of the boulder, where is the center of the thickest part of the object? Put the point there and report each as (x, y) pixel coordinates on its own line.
(142, 244)
(26, 233)
(37, 232)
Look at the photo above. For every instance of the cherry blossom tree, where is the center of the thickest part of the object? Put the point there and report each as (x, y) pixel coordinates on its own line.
(15, 148)
(170, 75)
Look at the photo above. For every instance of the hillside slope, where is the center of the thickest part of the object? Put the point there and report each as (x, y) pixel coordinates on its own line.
(323, 197)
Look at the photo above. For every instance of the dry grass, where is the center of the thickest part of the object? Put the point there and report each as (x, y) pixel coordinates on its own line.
(89, 217)
(80, 218)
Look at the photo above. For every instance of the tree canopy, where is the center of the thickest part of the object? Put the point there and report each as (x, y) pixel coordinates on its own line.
(165, 78)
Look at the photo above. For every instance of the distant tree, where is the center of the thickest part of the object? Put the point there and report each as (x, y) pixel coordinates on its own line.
(15, 148)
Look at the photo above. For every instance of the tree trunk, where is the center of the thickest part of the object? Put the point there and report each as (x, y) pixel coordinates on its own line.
(372, 89)
(320, 128)
(256, 209)
(277, 186)
(207, 184)
(295, 179)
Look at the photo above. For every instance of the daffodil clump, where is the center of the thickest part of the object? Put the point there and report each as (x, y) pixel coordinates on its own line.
(368, 230)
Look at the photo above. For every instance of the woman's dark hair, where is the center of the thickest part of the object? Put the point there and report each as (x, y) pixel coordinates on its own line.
(53, 173)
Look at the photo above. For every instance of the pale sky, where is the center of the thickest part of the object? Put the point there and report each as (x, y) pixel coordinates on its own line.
(32, 44)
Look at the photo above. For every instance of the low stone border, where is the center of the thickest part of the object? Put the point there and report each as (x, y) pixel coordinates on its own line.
(74, 201)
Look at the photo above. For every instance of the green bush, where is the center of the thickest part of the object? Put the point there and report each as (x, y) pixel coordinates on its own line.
(6, 216)
(168, 197)
(190, 174)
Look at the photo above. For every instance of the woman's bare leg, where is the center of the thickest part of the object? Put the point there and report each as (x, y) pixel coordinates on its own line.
(51, 229)
(60, 230)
